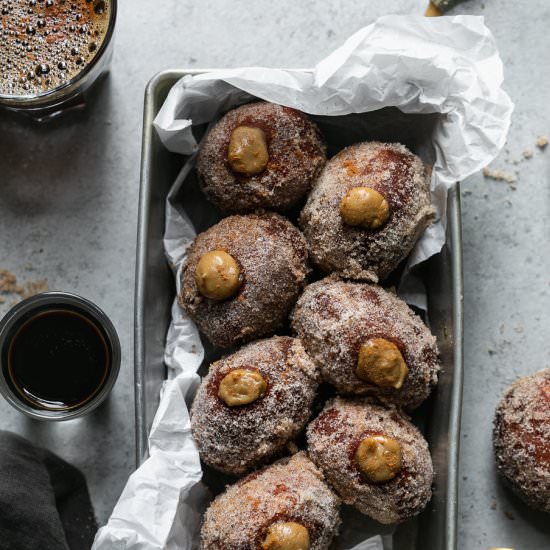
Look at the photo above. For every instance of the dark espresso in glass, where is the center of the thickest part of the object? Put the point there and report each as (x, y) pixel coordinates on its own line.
(58, 359)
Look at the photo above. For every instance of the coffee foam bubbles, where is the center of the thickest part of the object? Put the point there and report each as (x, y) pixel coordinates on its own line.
(46, 43)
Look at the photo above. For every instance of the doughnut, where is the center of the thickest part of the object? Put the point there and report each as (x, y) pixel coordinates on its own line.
(373, 457)
(286, 506)
(242, 276)
(260, 155)
(253, 403)
(366, 210)
(367, 341)
(521, 438)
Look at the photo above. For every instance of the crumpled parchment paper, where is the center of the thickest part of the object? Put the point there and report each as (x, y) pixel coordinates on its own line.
(421, 65)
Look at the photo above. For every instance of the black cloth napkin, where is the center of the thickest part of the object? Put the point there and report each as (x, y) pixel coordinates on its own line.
(44, 501)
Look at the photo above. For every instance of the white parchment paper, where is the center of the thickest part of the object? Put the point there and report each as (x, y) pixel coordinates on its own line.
(446, 65)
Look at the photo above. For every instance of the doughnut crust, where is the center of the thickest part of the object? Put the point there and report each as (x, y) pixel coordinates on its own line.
(272, 257)
(355, 252)
(291, 489)
(521, 438)
(333, 438)
(296, 155)
(333, 318)
(237, 439)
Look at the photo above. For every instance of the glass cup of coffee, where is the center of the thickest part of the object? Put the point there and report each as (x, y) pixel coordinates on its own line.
(59, 356)
(52, 51)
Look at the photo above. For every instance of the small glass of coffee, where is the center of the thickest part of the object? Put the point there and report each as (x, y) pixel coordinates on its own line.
(59, 356)
(52, 51)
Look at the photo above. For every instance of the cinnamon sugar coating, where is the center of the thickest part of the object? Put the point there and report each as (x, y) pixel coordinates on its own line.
(355, 252)
(333, 438)
(333, 318)
(272, 258)
(296, 155)
(521, 438)
(291, 489)
(237, 439)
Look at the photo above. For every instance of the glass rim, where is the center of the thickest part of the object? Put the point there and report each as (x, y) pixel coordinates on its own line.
(23, 100)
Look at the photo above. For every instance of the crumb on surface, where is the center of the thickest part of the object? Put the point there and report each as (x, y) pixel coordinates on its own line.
(499, 175)
(11, 288)
(528, 153)
(8, 282)
(34, 287)
(542, 142)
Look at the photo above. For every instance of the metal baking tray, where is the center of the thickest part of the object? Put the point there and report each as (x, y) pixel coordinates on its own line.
(439, 418)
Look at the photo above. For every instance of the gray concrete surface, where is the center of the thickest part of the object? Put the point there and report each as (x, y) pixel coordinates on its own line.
(68, 204)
